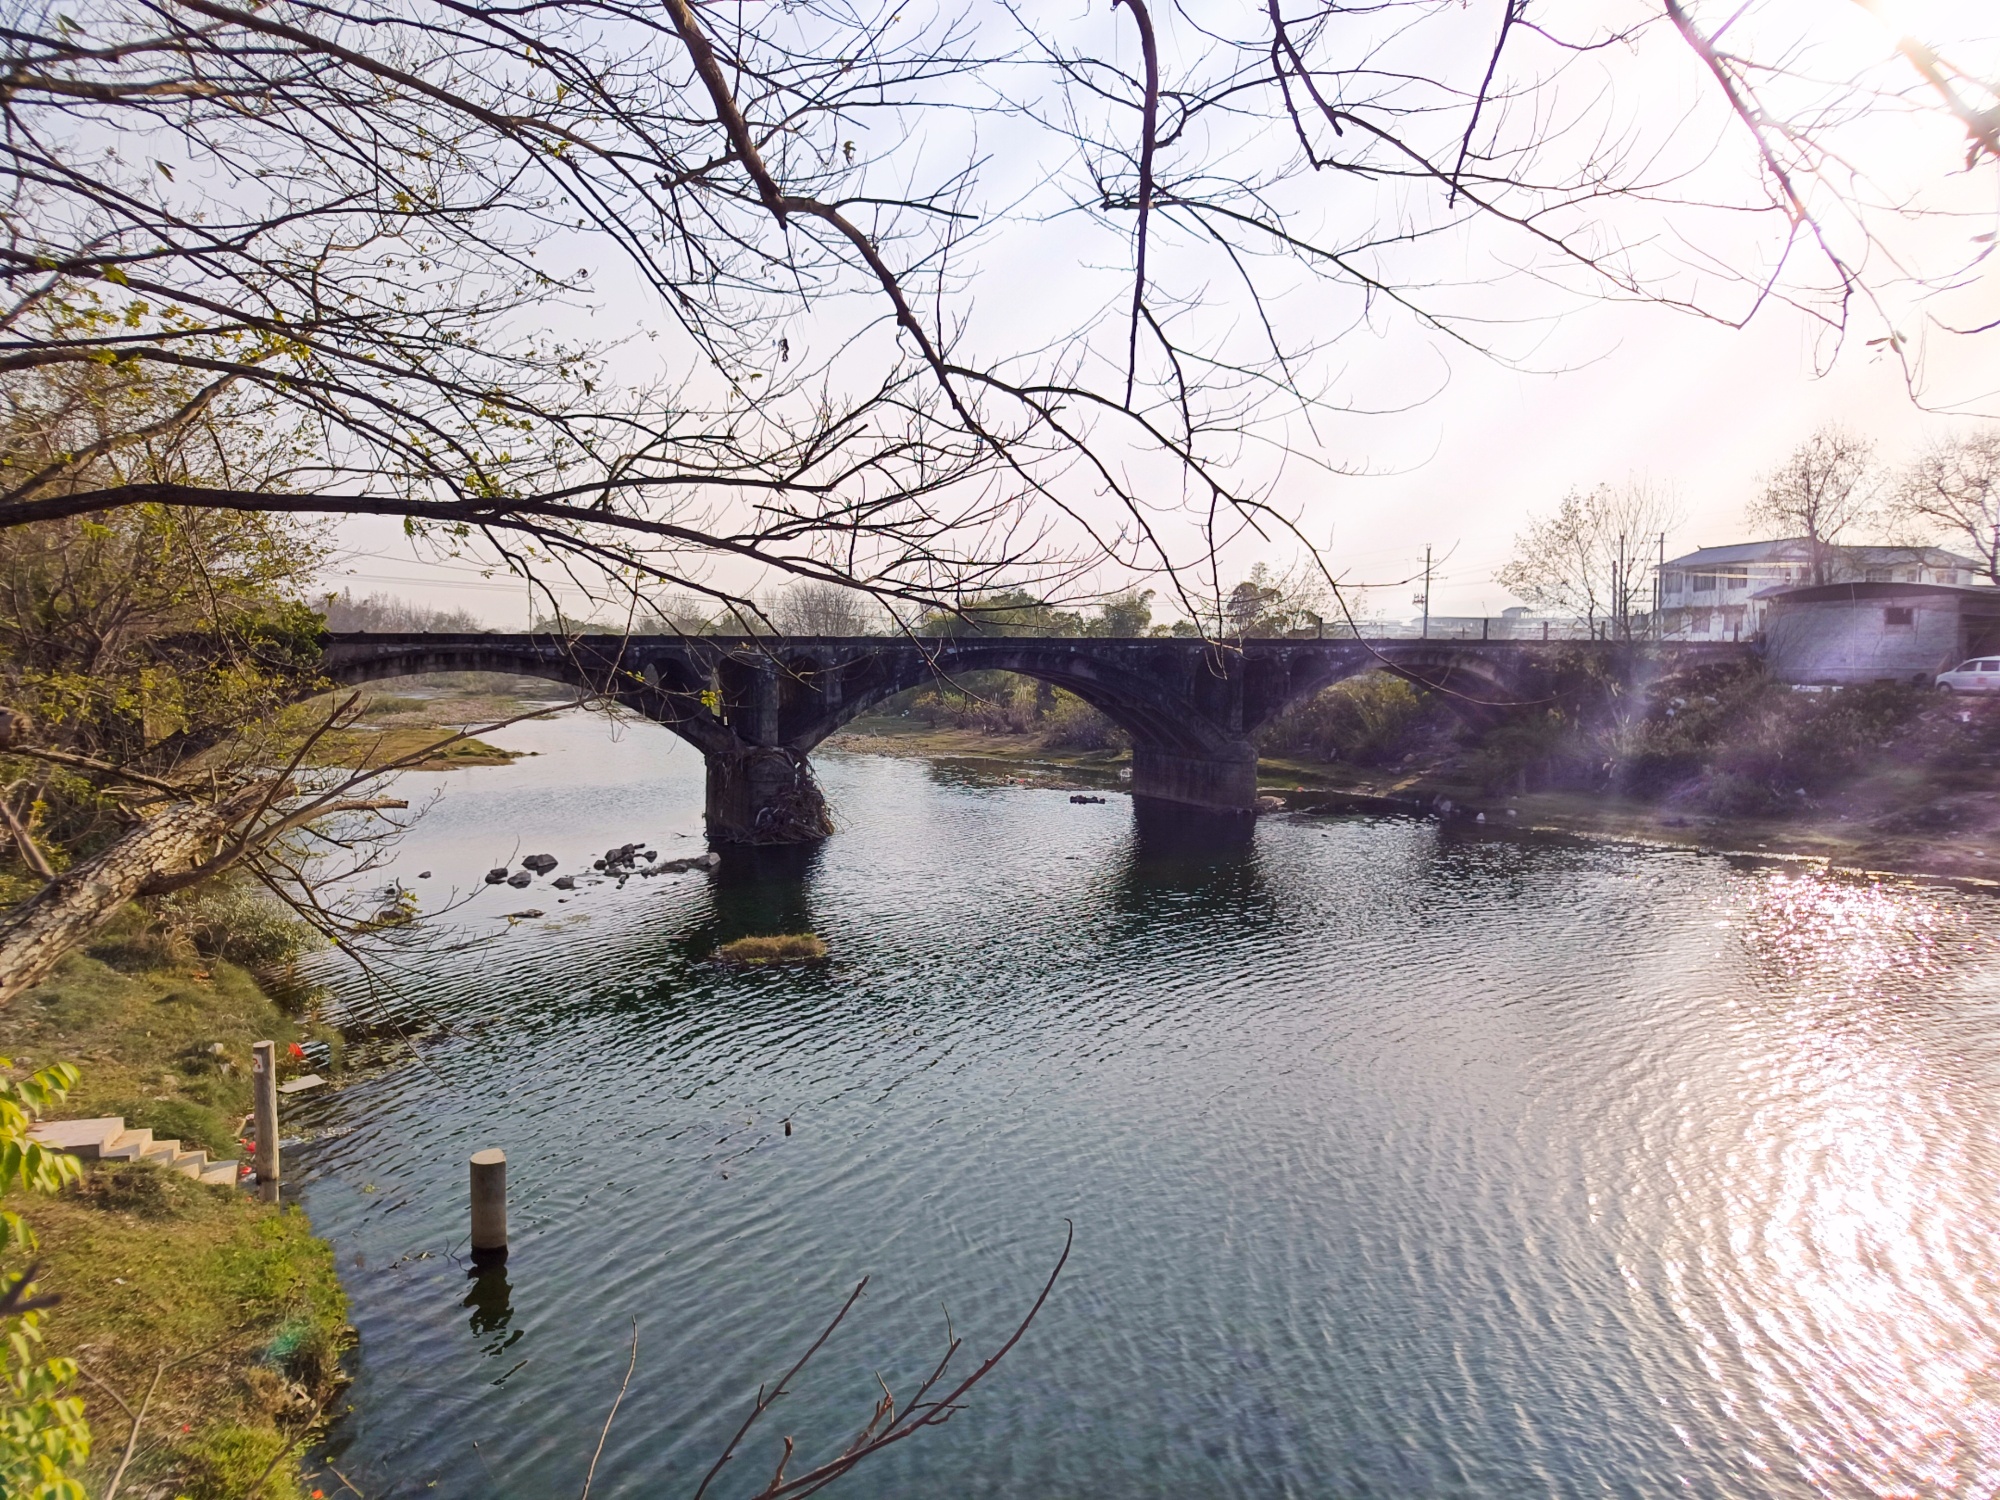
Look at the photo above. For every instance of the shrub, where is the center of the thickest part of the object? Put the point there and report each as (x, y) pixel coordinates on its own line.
(1073, 724)
(236, 922)
(133, 1187)
(1369, 720)
(43, 1435)
(1731, 794)
(1524, 755)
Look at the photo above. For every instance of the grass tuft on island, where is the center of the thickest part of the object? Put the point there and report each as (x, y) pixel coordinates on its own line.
(786, 948)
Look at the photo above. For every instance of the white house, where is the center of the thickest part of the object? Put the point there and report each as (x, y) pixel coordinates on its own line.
(1713, 594)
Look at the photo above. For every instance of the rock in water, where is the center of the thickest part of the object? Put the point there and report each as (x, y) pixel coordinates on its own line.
(519, 879)
(565, 882)
(693, 862)
(541, 864)
(494, 877)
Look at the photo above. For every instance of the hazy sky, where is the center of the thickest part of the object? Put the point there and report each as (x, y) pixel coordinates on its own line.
(1696, 408)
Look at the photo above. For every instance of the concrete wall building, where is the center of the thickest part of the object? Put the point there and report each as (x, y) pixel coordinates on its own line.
(1722, 593)
(1843, 633)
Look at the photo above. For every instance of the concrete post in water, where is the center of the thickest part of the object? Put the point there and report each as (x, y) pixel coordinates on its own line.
(489, 1205)
(264, 1080)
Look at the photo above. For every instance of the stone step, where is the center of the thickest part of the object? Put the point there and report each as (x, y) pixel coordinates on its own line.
(131, 1145)
(161, 1152)
(88, 1139)
(107, 1139)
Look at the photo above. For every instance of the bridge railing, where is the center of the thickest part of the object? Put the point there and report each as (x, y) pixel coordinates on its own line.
(1529, 628)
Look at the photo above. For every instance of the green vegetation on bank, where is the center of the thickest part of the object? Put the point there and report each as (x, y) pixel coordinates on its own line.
(160, 1019)
(1721, 740)
(231, 1303)
(1877, 776)
(1002, 703)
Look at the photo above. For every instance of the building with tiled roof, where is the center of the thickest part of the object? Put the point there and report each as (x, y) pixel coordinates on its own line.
(1715, 593)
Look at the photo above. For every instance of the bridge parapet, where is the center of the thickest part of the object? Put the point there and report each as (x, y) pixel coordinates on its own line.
(756, 706)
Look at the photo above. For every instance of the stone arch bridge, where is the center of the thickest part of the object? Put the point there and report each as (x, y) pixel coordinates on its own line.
(756, 706)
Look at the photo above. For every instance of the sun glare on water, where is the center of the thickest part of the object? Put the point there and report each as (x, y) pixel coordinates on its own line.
(1836, 1257)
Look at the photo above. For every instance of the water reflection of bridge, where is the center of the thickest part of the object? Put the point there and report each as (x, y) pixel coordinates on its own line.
(756, 706)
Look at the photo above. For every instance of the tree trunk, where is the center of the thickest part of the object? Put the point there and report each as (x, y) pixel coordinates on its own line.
(35, 935)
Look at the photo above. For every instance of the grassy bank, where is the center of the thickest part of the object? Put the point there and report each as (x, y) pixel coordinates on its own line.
(419, 711)
(224, 1310)
(230, 1303)
(369, 747)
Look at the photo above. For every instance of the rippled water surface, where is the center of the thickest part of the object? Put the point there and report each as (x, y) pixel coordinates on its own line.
(1401, 1163)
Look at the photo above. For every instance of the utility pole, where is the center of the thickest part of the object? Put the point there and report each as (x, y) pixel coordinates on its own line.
(1425, 597)
(1618, 599)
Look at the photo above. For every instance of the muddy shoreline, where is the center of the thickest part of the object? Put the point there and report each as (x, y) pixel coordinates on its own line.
(1306, 788)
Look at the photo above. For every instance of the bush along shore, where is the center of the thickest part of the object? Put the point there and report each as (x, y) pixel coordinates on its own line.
(207, 1320)
(1879, 777)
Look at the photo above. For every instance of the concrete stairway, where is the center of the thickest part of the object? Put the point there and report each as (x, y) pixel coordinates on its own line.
(107, 1139)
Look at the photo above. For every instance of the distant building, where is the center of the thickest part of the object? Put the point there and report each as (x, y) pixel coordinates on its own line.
(1517, 623)
(1722, 593)
(1876, 631)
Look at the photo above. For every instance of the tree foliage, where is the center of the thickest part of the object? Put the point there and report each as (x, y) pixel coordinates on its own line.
(1952, 492)
(44, 1439)
(811, 607)
(1827, 489)
(1589, 558)
(146, 637)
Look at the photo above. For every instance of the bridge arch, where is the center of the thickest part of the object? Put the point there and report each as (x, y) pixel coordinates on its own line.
(1478, 689)
(1123, 692)
(667, 690)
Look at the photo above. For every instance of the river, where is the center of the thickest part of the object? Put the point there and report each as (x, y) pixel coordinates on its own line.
(1403, 1161)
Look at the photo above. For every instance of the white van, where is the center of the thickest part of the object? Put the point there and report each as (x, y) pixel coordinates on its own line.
(1980, 675)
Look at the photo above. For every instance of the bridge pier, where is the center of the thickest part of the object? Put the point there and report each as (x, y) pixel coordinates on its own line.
(1225, 781)
(764, 794)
